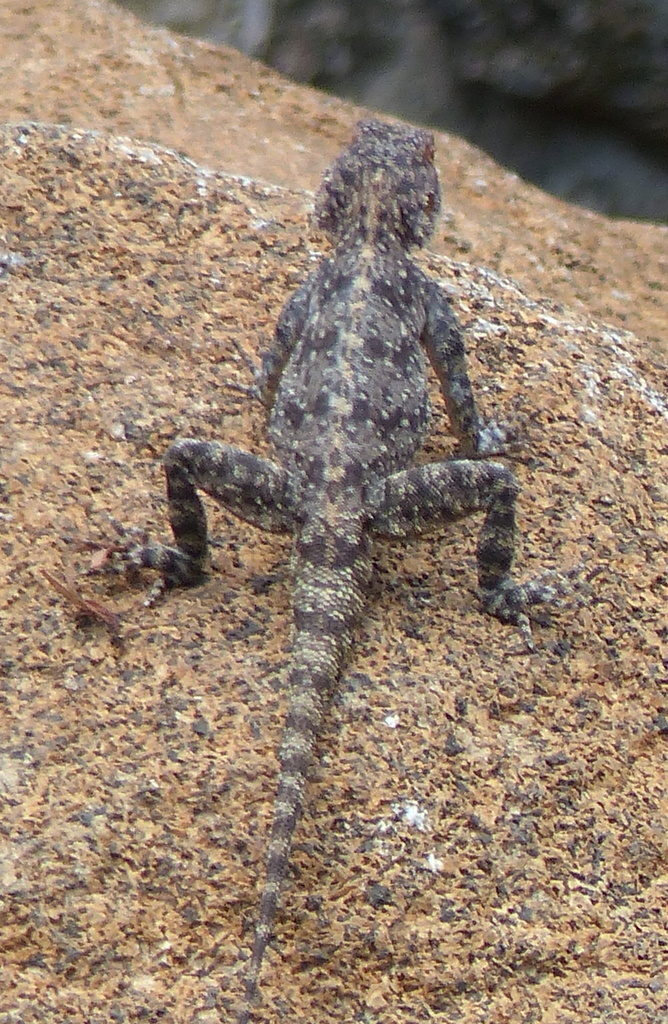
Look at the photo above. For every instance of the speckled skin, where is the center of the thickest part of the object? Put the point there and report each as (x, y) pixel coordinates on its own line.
(344, 383)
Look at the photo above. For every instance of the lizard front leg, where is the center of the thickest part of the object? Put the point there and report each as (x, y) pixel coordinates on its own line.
(419, 499)
(254, 489)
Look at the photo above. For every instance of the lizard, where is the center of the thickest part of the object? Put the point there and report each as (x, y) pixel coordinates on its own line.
(345, 389)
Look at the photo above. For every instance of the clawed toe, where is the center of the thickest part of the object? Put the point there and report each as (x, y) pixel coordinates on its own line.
(510, 601)
(135, 551)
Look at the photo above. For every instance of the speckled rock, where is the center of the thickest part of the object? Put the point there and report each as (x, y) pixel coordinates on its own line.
(571, 95)
(84, 62)
(485, 835)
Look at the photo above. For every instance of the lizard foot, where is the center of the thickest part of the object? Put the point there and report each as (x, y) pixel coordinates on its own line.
(136, 551)
(510, 601)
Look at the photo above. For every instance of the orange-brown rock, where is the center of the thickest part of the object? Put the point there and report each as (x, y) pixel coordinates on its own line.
(485, 837)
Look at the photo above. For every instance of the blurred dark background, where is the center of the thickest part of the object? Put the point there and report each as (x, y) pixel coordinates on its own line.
(570, 94)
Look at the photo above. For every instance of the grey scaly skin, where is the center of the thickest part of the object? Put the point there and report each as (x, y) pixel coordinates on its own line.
(344, 384)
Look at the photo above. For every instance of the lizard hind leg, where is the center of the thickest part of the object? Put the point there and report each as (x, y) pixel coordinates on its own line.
(419, 499)
(252, 488)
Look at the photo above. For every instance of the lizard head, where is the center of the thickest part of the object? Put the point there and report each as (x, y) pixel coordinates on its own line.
(383, 186)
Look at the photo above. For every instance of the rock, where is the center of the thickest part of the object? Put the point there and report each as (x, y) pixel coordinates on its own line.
(135, 282)
(606, 59)
(572, 96)
(94, 66)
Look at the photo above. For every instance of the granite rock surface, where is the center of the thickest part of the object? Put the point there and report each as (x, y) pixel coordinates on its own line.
(486, 833)
(570, 94)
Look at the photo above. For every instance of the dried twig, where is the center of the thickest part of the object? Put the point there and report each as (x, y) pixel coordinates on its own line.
(85, 606)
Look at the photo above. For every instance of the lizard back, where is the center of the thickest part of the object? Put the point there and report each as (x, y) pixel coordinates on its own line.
(357, 373)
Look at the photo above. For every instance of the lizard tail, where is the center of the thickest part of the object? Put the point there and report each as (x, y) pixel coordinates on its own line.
(327, 603)
(301, 730)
